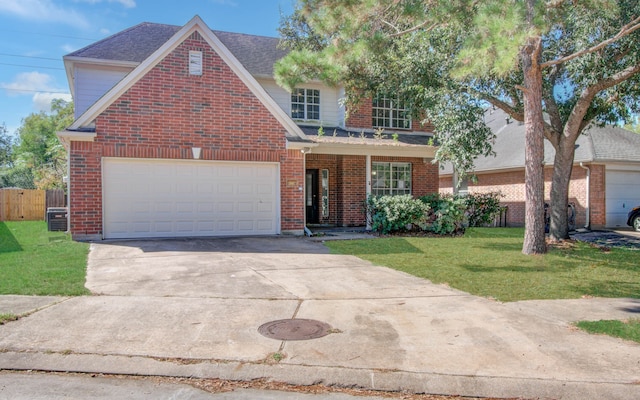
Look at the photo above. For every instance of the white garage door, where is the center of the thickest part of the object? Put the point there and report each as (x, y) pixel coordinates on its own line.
(178, 198)
(623, 193)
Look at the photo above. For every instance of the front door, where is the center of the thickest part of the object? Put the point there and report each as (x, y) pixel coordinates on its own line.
(311, 196)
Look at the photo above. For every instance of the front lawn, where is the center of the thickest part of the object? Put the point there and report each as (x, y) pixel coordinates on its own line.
(629, 330)
(488, 262)
(34, 261)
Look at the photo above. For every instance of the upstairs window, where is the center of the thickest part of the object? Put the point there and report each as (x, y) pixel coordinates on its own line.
(305, 104)
(390, 178)
(389, 112)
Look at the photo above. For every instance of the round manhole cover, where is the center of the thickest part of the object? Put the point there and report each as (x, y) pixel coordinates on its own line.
(294, 329)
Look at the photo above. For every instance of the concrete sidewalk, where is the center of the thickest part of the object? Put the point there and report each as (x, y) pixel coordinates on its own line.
(192, 308)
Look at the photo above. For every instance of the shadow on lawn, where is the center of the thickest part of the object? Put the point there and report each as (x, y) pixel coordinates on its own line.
(610, 288)
(8, 242)
(503, 268)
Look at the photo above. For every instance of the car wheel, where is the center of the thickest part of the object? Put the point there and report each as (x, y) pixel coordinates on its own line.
(636, 223)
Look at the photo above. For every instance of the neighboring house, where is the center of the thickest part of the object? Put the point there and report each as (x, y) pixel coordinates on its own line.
(605, 181)
(182, 131)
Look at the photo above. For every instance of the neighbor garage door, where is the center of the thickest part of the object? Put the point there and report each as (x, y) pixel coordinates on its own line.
(623, 193)
(179, 198)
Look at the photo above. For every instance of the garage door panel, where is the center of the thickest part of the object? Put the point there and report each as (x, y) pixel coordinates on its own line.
(623, 193)
(164, 198)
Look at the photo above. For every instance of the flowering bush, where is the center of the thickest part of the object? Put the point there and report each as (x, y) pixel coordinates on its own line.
(394, 213)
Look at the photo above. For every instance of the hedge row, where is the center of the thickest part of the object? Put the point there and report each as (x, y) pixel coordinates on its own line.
(439, 214)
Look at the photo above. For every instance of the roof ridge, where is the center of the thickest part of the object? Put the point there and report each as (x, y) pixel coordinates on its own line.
(245, 34)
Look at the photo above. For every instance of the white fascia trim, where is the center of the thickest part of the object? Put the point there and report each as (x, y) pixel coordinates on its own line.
(196, 24)
(377, 150)
(300, 145)
(98, 61)
(66, 137)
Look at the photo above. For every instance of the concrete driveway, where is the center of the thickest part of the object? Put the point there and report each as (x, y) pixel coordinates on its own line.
(193, 308)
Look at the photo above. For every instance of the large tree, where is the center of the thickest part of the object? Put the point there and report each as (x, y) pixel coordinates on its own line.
(6, 147)
(38, 148)
(578, 62)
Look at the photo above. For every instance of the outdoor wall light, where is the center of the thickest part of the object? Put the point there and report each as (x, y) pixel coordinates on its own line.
(196, 152)
(305, 150)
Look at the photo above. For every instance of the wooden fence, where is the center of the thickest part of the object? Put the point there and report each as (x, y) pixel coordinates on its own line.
(27, 204)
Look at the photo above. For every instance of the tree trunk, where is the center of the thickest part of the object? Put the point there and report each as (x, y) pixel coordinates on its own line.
(534, 238)
(562, 166)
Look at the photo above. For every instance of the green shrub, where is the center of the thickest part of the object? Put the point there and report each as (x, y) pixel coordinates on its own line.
(447, 214)
(482, 208)
(393, 213)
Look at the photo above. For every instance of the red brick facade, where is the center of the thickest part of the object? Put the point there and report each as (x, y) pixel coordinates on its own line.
(511, 185)
(347, 183)
(166, 113)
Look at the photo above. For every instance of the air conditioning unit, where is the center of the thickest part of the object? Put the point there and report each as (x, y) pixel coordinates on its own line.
(57, 218)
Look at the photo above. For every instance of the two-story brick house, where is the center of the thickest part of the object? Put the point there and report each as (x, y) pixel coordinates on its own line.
(182, 131)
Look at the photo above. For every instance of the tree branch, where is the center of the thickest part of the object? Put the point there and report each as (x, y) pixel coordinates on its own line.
(589, 93)
(624, 31)
(412, 29)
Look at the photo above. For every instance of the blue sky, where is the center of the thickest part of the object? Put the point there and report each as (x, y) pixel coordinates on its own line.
(37, 33)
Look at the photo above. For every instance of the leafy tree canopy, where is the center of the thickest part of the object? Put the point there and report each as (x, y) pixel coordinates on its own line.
(449, 59)
(38, 148)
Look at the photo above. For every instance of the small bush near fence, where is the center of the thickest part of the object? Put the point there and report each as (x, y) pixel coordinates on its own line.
(435, 213)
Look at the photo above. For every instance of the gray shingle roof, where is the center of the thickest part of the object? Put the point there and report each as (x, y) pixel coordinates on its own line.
(339, 135)
(133, 44)
(596, 144)
(256, 53)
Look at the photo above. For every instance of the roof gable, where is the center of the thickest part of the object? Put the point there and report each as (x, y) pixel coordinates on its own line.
(195, 25)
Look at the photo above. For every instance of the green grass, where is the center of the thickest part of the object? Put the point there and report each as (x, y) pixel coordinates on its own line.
(488, 262)
(4, 318)
(34, 261)
(629, 330)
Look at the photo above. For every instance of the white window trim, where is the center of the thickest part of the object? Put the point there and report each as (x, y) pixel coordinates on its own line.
(394, 109)
(305, 104)
(391, 190)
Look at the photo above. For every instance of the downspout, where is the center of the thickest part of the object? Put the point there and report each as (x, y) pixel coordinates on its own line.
(588, 195)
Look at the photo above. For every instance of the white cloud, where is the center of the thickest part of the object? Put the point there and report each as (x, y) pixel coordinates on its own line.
(42, 101)
(29, 82)
(42, 84)
(67, 48)
(125, 3)
(42, 10)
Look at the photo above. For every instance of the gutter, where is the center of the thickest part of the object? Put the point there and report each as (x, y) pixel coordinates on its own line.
(588, 195)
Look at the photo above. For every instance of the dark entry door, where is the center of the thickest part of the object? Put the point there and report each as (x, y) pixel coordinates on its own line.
(311, 196)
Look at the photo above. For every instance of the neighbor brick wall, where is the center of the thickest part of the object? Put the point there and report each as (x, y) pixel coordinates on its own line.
(598, 216)
(511, 185)
(169, 111)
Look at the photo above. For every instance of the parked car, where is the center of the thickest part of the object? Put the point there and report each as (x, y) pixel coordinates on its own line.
(634, 219)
